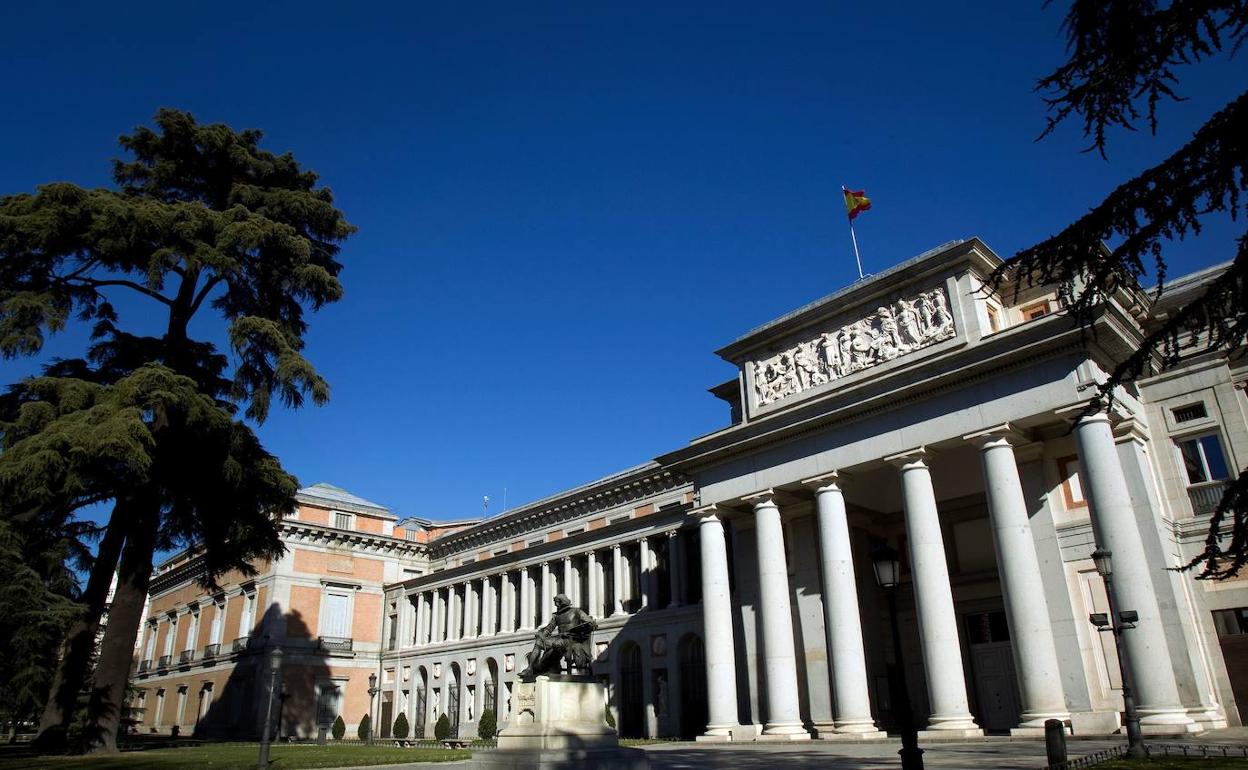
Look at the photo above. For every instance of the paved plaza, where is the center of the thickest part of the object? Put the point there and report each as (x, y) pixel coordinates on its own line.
(995, 753)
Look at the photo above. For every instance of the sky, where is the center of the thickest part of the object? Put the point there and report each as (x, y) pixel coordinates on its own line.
(564, 208)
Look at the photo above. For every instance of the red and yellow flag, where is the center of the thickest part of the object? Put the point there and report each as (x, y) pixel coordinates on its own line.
(856, 202)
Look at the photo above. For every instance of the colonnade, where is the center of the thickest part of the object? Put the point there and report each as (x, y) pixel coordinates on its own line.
(1034, 651)
(610, 581)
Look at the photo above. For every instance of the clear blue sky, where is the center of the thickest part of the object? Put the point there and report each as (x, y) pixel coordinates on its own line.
(565, 207)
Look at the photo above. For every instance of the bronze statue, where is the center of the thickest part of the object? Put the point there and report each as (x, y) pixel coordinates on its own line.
(575, 630)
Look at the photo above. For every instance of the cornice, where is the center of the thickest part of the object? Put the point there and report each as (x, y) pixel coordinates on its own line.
(577, 503)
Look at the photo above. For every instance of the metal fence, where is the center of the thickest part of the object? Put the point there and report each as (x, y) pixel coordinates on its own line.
(1195, 750)
(1089, 760)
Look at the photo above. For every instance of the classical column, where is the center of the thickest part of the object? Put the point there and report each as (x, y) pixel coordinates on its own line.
(645, 572)
(568, 590)
(526, 599)
(1114, 527)
(488, 613)
(439, 616)
(674, 568)
(784, 720)
(617, 580)
(593, 600)
(933, 600)
(547, 593)
(471, 610)
(842, 623)
(1026, 610)
(506, 604)
(421, 618)
(721, 659)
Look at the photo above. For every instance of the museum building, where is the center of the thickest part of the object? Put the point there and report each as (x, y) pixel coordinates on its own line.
(732, 579)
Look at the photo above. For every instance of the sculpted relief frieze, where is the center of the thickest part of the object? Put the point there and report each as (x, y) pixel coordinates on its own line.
(891, 331)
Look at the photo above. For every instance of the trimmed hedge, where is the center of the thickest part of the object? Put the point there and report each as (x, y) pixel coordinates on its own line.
(366, 727)
(487, 727)
(400, 726)
(339, 729)
(442, 730)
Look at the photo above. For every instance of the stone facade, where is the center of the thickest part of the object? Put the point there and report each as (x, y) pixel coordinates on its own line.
(732, 580)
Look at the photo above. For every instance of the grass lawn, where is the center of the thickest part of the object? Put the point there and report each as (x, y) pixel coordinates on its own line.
(1175, 763)
(228, 756)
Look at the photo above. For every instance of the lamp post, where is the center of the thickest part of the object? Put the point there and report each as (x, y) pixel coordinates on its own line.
(275, 667)
(1117, 622)
(373, 689)
(887, 564)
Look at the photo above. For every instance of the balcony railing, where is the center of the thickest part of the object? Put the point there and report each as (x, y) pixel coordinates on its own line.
(211, 651)
(144, 666)
(335, 644)
(1205, 497)
(186, 656)
(164, 661)
(241, 644)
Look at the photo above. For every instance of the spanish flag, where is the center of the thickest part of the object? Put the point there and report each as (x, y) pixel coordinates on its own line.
(856, 202)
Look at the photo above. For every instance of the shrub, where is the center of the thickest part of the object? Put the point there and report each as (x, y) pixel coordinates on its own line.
(442, 730)
(366, 726)
(610, 718)
(339, 729)
(487, 726)
(400, 726)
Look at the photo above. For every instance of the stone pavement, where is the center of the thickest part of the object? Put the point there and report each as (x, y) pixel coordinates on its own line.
(989, 753)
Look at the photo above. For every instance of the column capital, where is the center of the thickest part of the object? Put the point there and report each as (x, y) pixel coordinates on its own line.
(829, 480)
(761, 499)
(615, 547)
(1005, 434)
(911, 458)
(672, 533)
(708, 513)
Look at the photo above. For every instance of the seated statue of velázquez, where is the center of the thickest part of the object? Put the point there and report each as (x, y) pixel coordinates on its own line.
(568, 636)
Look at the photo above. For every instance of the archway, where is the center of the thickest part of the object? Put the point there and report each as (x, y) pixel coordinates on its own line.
(452, 699)
(422, 703)
(490, 694)
(693, 707)
(632, 722)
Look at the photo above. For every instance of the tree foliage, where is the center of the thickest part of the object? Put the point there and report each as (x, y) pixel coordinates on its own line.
(201, 217)
(401, 728)
(339, 728)
(487, 725)
(442, 728)
(1125, 59)
(365, 728)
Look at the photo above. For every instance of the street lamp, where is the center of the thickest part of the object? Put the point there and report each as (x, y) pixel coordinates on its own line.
(1117, 622)
(887, 564)
(275, 667)
(373, 689)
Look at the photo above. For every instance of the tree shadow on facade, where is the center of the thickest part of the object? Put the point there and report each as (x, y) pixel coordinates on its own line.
(303, 685)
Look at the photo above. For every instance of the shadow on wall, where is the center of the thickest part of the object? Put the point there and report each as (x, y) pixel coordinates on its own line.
(237, 710)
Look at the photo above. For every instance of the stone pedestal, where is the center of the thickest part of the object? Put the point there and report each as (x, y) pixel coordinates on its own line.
(559, 722)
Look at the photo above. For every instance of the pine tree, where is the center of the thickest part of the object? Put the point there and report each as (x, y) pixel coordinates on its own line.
(487, 726)
(339, 728)
(442, 728)
(366, 727)
(201, 217)
(401, 728)
(1125, 57)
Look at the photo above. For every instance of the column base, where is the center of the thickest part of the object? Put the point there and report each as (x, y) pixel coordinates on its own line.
(784, 731)
(950, 734)
(1031, 725)
(1208, 717)
(875, 735)
(1168, 722)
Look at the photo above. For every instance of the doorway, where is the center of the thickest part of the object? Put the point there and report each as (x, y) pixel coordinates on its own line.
(992, 670)
(632, 706)
(693, 705)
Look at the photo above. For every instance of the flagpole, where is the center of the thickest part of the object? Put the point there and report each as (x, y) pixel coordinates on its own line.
(857, 258)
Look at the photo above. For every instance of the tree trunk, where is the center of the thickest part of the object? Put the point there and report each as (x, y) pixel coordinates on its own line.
(112, 671)
(71, 670)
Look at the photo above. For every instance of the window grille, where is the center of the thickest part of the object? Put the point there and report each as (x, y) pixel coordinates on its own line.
(1190, 412)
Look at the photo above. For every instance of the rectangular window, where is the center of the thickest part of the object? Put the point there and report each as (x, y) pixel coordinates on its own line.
(1203, 459)
(181, 704)
(151, 641)
(193, 632)
(342, 520)
(218, 622)
(1037, 310)
(1190, 412)
(160, 708)
(248, 621)
(337, 621)
(994, 319)
(1072, 483)
(169, 636)
(328, 702)
(1231, 622)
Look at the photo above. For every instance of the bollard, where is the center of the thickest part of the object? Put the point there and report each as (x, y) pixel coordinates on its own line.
(1055, 741)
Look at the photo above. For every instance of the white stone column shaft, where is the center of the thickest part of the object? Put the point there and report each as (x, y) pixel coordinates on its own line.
(721, 659)
(592, 585)
(674, 568)
(1026, 609)
(842, 622)
(489, 614)
(933, 601)
(645, 572)
(1114, 527)
(547, 594)
(568, 589)
(472, 610)
(617, 580)
(439, 616)
(526, 599)
(776, 619)
(421, 619)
